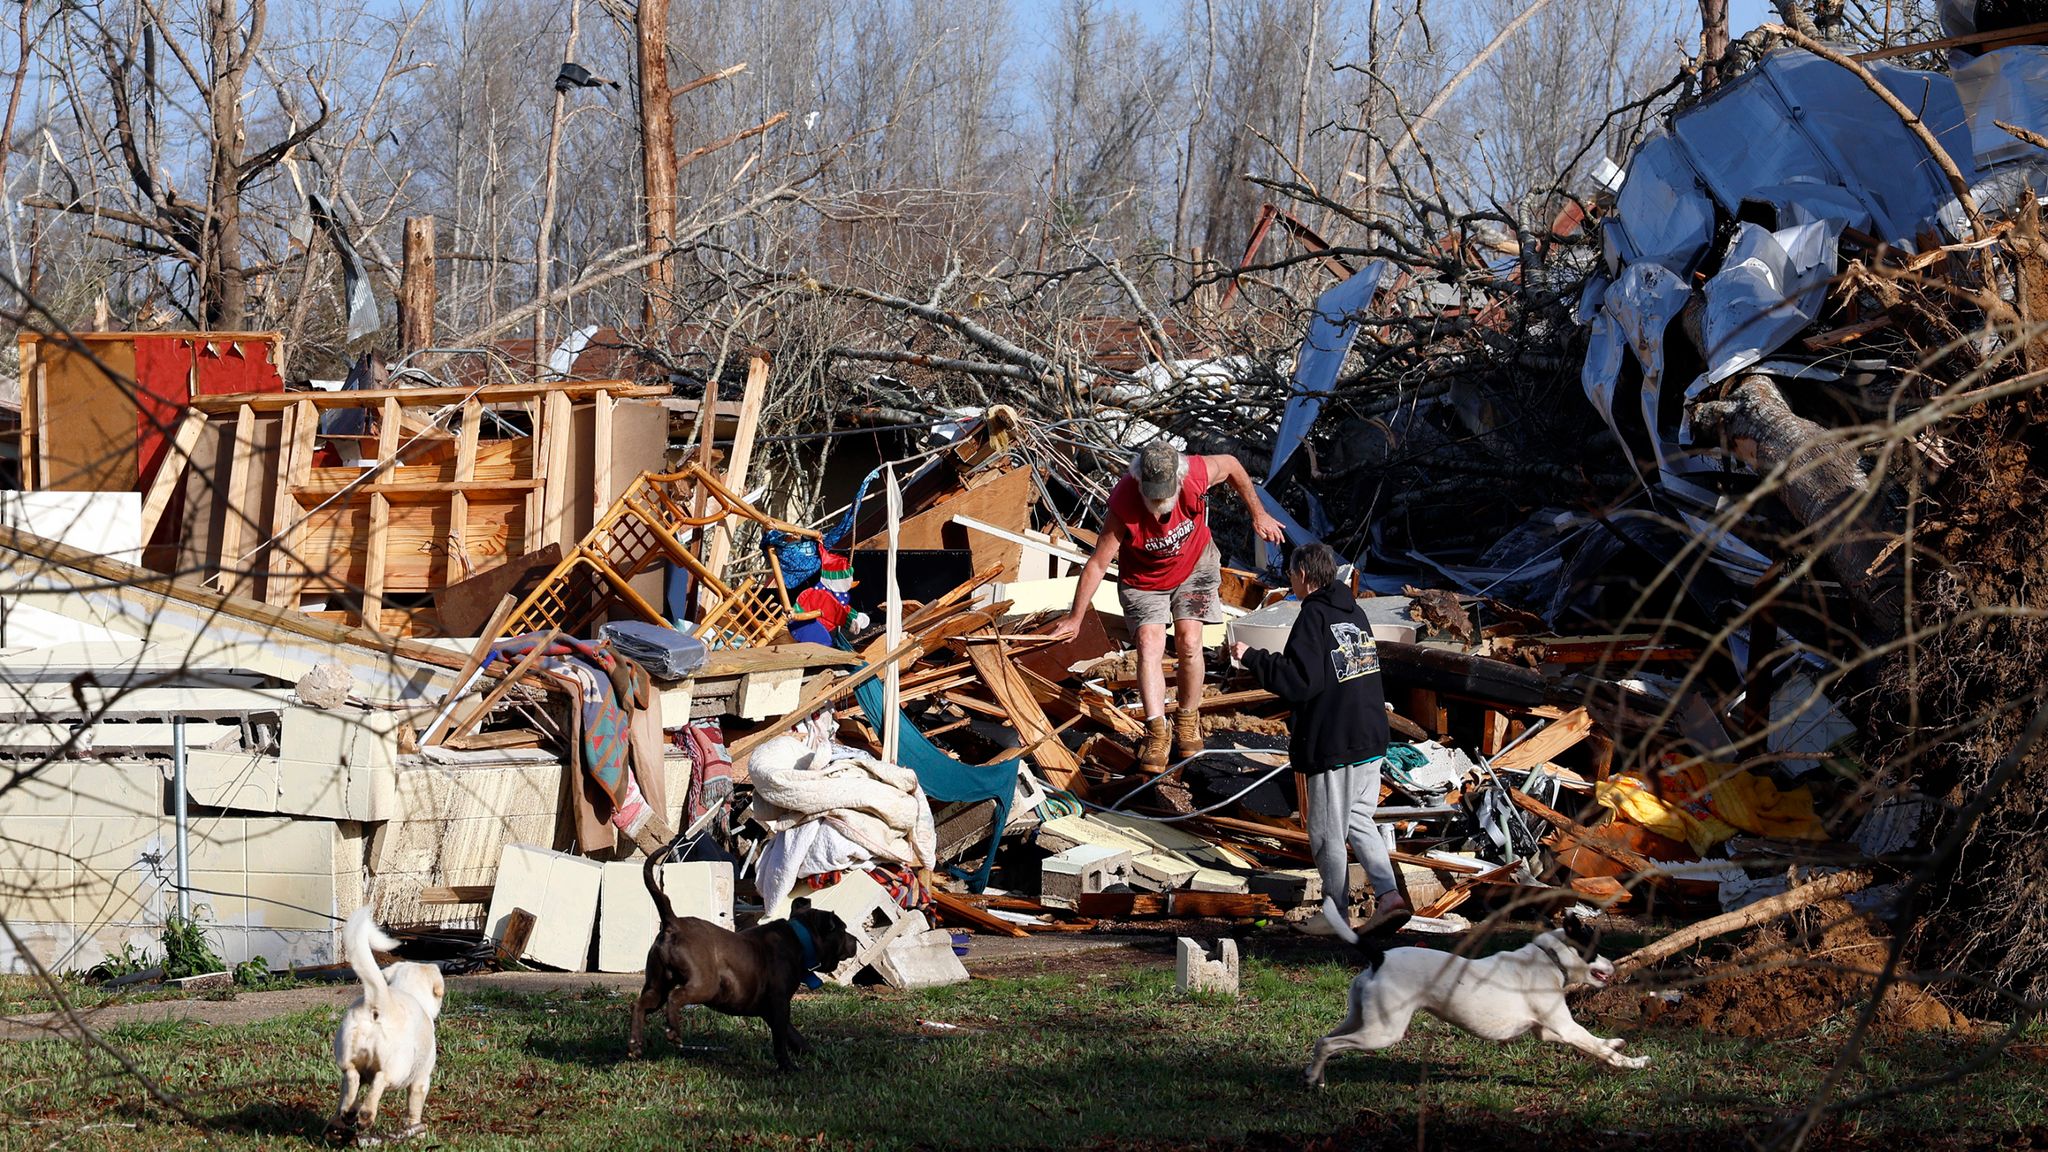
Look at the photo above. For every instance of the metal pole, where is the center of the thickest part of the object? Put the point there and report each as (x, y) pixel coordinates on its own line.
(178, 803)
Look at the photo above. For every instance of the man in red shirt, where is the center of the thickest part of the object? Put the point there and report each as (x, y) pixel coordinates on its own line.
(1158, 523)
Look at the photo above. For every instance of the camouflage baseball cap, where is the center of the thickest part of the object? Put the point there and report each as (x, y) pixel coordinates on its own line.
(1158, 470)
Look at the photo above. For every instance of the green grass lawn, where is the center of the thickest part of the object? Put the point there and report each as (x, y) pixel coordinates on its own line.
(1112, 1060)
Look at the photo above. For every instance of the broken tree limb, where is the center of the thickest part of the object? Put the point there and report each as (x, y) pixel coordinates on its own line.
(1825, 888)
(935, 363)
(703, 150)
(974, 333)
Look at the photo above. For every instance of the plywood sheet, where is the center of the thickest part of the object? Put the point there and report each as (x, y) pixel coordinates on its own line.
(87, 418)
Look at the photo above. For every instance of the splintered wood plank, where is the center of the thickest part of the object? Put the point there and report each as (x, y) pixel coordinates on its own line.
(236, 505)
(171, 472)
(287, 566)
(1557, 736)
(958, 911)
(556, 481)
(1096, 707)
(553, 464)
(374, 559)
(741, 458)
(530, 537)
(601, 457)
(1002, 677)
(459, 567)
(282, 506)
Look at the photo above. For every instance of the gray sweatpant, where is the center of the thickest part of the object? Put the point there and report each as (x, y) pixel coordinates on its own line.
(1341, 803)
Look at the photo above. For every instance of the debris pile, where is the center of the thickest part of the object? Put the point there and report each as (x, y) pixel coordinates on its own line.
(1735, 636)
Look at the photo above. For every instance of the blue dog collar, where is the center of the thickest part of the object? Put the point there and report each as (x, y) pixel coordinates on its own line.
(810, 954)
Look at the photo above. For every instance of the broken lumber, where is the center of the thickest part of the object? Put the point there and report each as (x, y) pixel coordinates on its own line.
(911, 648)
(1001, 676)
(1140, 905)
(1826, 888)
(955, 910)
(1577, 833)
(1281, 832)
(1556, 737)
(1092, 705)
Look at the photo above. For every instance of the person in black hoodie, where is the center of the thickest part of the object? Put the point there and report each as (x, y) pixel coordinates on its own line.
(1329, 674)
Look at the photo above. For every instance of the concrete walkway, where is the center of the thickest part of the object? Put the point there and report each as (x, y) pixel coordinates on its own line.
(990, 955)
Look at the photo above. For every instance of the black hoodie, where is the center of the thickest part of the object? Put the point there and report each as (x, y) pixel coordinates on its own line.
(1329, 673)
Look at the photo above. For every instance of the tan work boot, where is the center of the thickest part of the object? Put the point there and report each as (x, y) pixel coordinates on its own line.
(1187, 733)
(1158, 742)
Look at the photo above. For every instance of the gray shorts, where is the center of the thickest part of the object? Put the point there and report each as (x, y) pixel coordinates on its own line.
(1195, 599)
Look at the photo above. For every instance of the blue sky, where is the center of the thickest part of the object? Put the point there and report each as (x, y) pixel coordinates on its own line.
(1033, 15)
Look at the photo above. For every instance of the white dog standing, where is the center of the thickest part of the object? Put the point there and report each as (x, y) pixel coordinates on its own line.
(1502, 997)
(387, 1037)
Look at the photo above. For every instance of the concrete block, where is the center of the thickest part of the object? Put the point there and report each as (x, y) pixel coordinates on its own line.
(287, 900)
(767, 695)
(626, 922)
(1210, 880)
(871, 915)
(1289, 887)
(1064, 878)
(1196, 970)
(676, 701)
(924, 959)
(349, 792)
(1421, 885)
(562, 893)
(116, 843)
(244, 781)
(1162, 871)
(342, 736)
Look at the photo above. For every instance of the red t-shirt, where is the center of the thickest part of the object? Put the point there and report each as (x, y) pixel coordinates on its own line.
(1158, 555)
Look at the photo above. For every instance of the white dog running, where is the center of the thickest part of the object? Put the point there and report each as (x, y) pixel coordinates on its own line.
(1502, 997)
(387, 1037)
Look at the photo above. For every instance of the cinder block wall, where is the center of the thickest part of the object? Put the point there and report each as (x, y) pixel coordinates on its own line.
(87, 865)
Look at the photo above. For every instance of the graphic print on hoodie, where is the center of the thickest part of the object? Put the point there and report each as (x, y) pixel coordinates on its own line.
(1354, 653)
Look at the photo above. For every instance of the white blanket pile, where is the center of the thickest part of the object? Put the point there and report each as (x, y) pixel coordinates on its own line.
(809, 800)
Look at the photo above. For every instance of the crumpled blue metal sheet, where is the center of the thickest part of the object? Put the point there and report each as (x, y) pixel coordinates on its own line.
(1634, 315)
(1663, 207)
(1770, 286)
(1330, 332)
(2004, 85)
(1801, 122)
(1605, 346)
(1877, 156)
(1644, 302)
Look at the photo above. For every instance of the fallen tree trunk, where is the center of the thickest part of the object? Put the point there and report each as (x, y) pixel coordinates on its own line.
(1822, 483)
(1825, 888)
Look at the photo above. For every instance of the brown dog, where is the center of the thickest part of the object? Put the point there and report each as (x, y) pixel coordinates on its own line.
(751, 973)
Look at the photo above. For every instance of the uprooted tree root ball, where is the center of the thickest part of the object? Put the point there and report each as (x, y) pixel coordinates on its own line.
(1959, 703)
(1784, 981)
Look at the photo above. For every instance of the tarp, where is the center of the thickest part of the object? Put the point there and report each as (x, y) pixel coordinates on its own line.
(944, 778)
(1330, 332)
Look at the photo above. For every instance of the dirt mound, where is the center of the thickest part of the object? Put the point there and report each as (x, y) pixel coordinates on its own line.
(1784, 982)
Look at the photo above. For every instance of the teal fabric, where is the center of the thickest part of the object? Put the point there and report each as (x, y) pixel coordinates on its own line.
(945, 778)
(1403, 759)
